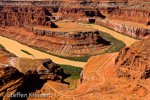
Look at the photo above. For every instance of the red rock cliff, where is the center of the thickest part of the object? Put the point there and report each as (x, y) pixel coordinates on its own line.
(24, 19)
(105, 76)
(132, 15)
(125, 29)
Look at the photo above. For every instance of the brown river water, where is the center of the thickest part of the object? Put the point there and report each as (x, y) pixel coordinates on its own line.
(15, 47)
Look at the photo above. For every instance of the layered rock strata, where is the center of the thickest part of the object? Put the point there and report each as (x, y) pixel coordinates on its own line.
(75, 12)
(24, 20)
(131, 15)
(133, 62)
(12, 81)
(56, 42)
(46, 69)
(60, 43)
(119, 10)
(105, 76)
(125, 29)
(25, 76)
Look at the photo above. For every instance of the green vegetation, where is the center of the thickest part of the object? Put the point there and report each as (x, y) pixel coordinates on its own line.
(82, 58)
(73, 71)
(74, 75)
(116, 44)
(1, 46)
(121, 33)
(5, 36)
(115, 31)
(26, 52)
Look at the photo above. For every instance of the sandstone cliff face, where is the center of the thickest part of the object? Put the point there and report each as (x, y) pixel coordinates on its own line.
(133, 62)
(104, 76)
(11, 81)
(56, 42)
(107, 10)
(5, 57)
(24, 20)
(46, 10)
(46, 69)
(26, 76)
(60, 43)
(132, 15)
(78, 12)
(125, 29)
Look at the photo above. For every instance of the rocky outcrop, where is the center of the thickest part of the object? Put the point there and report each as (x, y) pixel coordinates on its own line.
(133, 61)
(125, 29)
(132, 15)
(46, 10)
(24, 20)
(106, 75)
(107, 10)
(46, 69)
(5, 57)
(11, 81)
(25, 76)
(60, 43)
(54, 72)
(78, 12)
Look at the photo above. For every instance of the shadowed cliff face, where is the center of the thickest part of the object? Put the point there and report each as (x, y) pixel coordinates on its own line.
(56, 42)
(103, 76)
(123, 10)
(26, 76)
(13, 81)
(79, 12)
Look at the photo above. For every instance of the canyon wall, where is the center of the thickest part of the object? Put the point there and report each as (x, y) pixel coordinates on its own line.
(24, 20)
(25, 76)
(11, 81)
(60, 43)
(131, 15)
(125, 29)
(119, 10)
(78, 12)
(104, 76)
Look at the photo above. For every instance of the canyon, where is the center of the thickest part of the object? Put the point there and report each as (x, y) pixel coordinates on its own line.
(103, 77)
(129, 30)
(120, 75)
(75, 28)
(21, 74)
(40, 32)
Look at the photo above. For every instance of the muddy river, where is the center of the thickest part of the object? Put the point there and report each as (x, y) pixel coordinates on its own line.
(126, 39)
(16, 47)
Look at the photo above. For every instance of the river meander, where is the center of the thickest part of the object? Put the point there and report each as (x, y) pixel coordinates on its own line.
(16, 47)
(126, 39)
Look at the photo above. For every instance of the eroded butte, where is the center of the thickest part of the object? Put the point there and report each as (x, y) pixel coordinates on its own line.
(57, 27)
